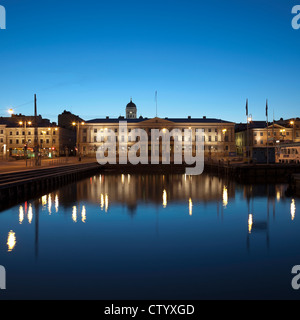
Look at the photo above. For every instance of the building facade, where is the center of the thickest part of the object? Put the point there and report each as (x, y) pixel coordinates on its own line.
(260, 135)
(288, 153)
(219, 137)
(18, 134)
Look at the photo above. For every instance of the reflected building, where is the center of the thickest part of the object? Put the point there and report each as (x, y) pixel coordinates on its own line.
(129, 190)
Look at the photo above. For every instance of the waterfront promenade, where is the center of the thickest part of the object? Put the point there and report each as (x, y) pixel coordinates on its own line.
(20, 165)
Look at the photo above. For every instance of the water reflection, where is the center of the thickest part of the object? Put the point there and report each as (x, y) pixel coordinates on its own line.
(165, 200)
(166, 191)
(11, 241)
(293, 209)
(190, 206)
(74, 214)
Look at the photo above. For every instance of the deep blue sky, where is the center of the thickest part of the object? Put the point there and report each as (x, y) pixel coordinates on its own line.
(203, 57)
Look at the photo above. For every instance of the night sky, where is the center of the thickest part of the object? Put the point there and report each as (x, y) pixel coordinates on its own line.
(204, 58)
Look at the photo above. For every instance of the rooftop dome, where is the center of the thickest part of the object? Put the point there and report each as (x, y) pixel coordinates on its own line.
(131, 104)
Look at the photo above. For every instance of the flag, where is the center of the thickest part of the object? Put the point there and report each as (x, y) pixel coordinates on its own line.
(247, 108)
(267, 108)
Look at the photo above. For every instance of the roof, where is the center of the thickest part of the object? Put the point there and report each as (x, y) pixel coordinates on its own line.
(175, 120)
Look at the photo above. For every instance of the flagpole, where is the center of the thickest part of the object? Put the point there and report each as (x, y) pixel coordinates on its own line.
(267, 132)
(156, 102)
(248, 142)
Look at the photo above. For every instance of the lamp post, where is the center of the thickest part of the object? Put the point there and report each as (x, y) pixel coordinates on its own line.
(224, 133)
(282, 131)
(24, 124)
(292, 123)
(77, 124)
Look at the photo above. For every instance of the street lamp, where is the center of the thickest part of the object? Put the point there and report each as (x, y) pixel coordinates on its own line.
(292, 123)
(282, 131)
(24, 124)
(224, 131)
(74, 124)
(10, 111)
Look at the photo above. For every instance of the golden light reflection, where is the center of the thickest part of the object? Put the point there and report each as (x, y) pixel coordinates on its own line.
(44, 200)
(106, 203)
(11, 241)
(123, 178)
(225, 196)
(56, 201)
(74, 214)
(102, 201)
(21, 214)
(30, 214)
(128, 179)
(250, 222)
(49, 203)
(83, 214)
(278, 195)
(293, 209)
(190, 206)
(165, 200)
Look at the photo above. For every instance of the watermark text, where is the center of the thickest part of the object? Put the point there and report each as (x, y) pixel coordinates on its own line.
(2, 17)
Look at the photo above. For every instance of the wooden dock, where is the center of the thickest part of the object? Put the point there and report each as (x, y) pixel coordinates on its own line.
(28, 183)
(254, 173)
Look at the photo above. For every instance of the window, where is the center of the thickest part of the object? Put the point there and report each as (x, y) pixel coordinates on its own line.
(255, 141)
(17, 133)
(84, 139)
(47, 141)
(216, 138)
(17, 141)
(1, 140)
(41, 141)
(1, 131)
(10, 141)
(95, 130)
(209, 130)
(95, 138)
(84, 130)
(261, 141)
(261, 134)
(209, 138)
(29, 133)
(10, 133)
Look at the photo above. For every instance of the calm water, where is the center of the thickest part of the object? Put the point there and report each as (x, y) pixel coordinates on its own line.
(152, 237)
